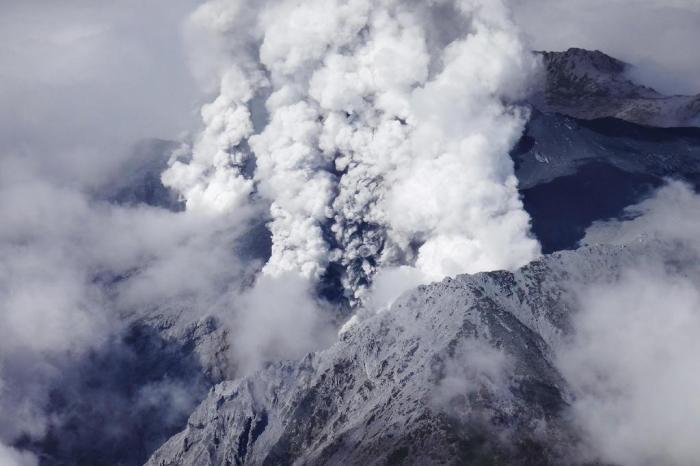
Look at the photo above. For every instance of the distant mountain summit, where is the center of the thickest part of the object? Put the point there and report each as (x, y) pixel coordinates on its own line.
(590, 84)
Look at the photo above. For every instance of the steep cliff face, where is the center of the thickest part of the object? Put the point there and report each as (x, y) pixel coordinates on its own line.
(590, 84)
(456, 372)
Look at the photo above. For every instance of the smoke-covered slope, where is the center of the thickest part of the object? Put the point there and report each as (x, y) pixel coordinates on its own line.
(572, 172)
(590, 84)
(455, 372)
(138, 181)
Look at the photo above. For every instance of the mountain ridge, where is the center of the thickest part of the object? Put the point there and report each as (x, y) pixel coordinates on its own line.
(591, 84)
(382, 395)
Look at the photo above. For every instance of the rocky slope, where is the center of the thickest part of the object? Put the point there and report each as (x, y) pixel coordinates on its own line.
(404, 386)
(590, 84)
(458, 372)
(572, 172)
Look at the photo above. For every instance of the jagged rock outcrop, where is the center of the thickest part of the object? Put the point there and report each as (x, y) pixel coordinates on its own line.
(590, 84)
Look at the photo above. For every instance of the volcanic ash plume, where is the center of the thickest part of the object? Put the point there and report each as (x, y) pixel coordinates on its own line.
(376, 131)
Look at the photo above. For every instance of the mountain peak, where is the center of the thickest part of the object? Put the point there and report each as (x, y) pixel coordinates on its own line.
(589, 84)
(594, 59)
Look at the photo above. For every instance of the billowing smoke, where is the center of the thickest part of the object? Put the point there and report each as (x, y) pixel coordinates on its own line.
(12, 457)
(672, 213)
(475, 367)
(81, 82)
(377, 132)
(77, 277)
(633, 368)
(372, 136)
(631, 362)
(278, 319)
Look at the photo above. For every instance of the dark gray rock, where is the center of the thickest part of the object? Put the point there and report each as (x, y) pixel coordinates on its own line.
(573, 172)
(590, 84)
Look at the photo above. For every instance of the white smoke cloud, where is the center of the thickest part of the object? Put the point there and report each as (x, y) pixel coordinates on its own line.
(82, 81)
(672, 213)
(634, 370)
(386, 139)
(390, 283)
(214, 181)
(11, 457)
(476, 366)
(631, 361)
(75, 271)
(374, 136)
(278, 319)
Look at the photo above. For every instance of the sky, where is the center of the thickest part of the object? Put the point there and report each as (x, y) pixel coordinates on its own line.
(81, 81)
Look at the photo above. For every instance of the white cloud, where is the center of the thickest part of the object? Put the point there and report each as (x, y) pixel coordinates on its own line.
(389, 126)
(475, 367)
(634, 369)
(373, 134)
(671, 213)
(632, 359)
(12, 457)
(71, 269)
(392, 282)
(82, 81)
(277, 320)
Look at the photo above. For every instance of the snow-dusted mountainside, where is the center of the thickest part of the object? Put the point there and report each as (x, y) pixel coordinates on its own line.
(590, 84)
(458, 372)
